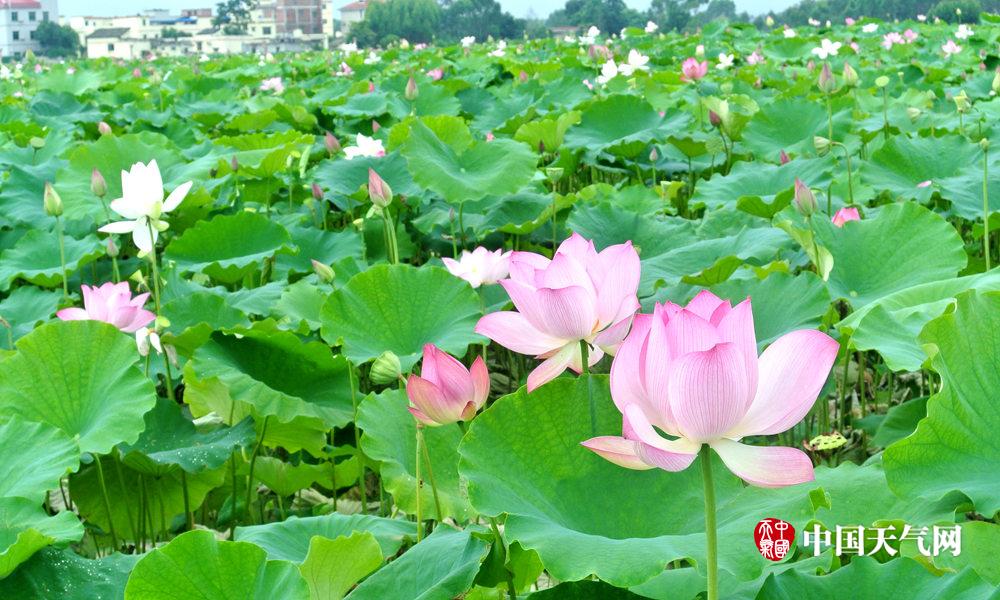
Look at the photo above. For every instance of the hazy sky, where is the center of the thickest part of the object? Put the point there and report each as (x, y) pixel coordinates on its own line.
(518, 8)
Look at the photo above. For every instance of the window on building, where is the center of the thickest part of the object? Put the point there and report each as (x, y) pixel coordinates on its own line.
(31, 15)
(45, 16)
(17, 35)
(267, 31)
(111, 47)
(13, 16)
(31, 34)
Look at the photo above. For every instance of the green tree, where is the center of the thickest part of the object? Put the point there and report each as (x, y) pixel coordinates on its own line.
(480, 18)
(233, 16)
(610, 16)
(413, 20)
(57, 40)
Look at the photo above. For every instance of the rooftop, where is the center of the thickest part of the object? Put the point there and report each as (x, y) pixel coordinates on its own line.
(9, 4)
(355, 6)
(109, 32)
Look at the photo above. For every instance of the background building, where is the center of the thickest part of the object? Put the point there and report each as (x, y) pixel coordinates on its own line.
(18, 21)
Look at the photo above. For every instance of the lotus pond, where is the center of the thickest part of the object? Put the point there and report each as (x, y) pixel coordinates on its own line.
(566, 318)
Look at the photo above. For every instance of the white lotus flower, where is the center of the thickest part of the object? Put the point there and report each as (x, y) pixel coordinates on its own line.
(725, 61)
(349, 48)
(364, 146)
(146, 337)
(608, 72)
(372, 58)
(827, 48)
(468, 41)
(870, 27)
(143, 204)
(963, 32)
(813, 22)
(501, 49)
(636, 62)
(4, 72)
(591, 36)
(788, 32)
(651, 27)
(921, 18)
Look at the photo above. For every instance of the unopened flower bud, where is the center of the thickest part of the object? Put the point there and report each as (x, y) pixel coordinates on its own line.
(783, 158)
(386, 369)
(332, 143)
(378, 190)
(881, 81)
(962, 103)
(323, 271)
(103, 128)
(411, 89)
(913, 113)
(98, 186)
(654, 155)
(111, 247)
(375, 126)
(805, 201)
(851, 78)
(822, 145)
(984, 144)
(554, 174)
(234, 164)
(826, 83)
(37, 143)
(51, 201)
(317, 191)
(995, 86)
(714, 119)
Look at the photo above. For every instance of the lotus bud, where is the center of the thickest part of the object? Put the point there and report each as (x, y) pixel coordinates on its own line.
(323, 271)
(984, 144)
(805, 201)
(411, 89)
(317, 192)
(51, 201)
(386, 369)
(375, 126)
(851, 78)
(378, 190)
(913, 113)
(234, 164)
(822, 145)
(98, 186)
(713, 118)
(995, 86)
(881, 81)
(332, 143)
(769, 21)
(37, 143)
(103, 128)
(826, 83)
(523, 77)
(554, 174)
(111, 247)
(654, 155)
(783, 158)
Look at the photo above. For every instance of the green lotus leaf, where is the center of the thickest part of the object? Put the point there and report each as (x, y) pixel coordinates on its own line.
(903, 245)
(81, 377)
(902, 163)
(332, 567)
(33, 456)
(345, 177)
(756, 187)
(324, 246)
(278, 375)
(35, 258)
(229, 246)
(956, 446)
(980, 543)
(498, 167)
(197, 566)
(390, 437)
(26, 307)
(64, 574)
(773, 315)
(194, 316)
(788, 125)
(289, 539)
(619, 124)
(900, 421)
(441, 566)
(285, 478)
(301, 305)
(25, 528)
(170, 441)
(400, 308)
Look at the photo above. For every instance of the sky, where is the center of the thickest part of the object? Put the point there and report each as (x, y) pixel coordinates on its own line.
(518, 8)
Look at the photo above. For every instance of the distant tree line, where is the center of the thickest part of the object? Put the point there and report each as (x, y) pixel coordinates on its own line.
(835, 11)
(422, 21)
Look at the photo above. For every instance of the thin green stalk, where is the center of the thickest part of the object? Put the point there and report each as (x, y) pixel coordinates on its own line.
(125, 497)
(585, 371)
(712, 566)
(188, 516)
(986, 208)
(861, 382)
(62, 258)
(253, 462)
(107, 502)
(829, 118)
(885, 114)
(420, 518)
(155, 276)
(232, 512)
(362, 488)
(842, 404)
(461, 223)
(511, 590)
(430, 472)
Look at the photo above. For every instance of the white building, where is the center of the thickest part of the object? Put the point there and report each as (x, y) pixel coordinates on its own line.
(352, 13)
(18, 21)
(115, 42)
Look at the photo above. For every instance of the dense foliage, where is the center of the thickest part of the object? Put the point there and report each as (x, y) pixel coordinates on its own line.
(232, 288)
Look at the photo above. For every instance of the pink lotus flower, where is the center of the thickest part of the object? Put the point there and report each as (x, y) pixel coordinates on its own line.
(694, 373)
(910, 35)
(445, 391)
(436, 74)
(273, 84)
(489, 136)
(848, 213)
(924, 184)
(692, 70)
(480, 267)
(579, 295)
(950, 47)
(112, 303)
(848, 21)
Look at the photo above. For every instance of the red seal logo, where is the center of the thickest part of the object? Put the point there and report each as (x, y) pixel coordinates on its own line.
(774, 538)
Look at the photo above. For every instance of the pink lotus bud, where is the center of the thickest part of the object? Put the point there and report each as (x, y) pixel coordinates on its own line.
(234, 164)
(848, 213)
(371, 86)
(826, 83)
(713, 118)
(411, 92)
(805, 201)
(323, 272)
(378, 190)
(523, 77)
(489, 136)
(446, 391)
(375, 126)
(103, 128)
(98, 186)
(317, 192)
(136, 72)
(332, 143)
(111, 247)
(783, 158)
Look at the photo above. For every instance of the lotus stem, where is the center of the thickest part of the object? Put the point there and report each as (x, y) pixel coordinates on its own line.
(986, 207)
(511, 590)
(107, 502)
(430, 472)
(362, 488)
(420, 519)
(128, 509)
(62, 258)
(712, 547)
(154, 274)
(253, 462)
(585, 371)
